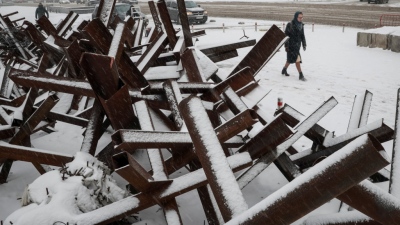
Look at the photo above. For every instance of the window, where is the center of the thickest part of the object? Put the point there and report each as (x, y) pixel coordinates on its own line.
(190, 4)
(174, 5)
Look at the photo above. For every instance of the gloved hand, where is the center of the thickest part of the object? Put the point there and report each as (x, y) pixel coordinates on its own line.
(304, 48)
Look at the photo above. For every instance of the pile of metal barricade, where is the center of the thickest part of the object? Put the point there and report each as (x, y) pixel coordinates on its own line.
(209, 122)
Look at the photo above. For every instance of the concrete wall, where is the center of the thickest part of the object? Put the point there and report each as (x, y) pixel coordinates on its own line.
(61, 9)
(384, 41)
(394, 43)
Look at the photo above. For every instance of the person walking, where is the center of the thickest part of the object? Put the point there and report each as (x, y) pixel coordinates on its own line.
(40, 11)
(295, 31)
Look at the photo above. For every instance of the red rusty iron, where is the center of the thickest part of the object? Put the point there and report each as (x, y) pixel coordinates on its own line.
(156, 112)
(73, 54)
(138, 34)
(237, 124)
(7, 133)
(130, 140)
(349, 166)
(185, 87)
(343, 218)
(66, 24)
(203, 137)
(373, 201)
(152, 52)
(103, 79)
(94, 129)
(10, 14)
(236, 81)
(21, 153)
(105, 11)
(265, 48)
(50, 82)
(191, 66)
(183, 18)
(173, 95)
(292, 117)
(166, 21)
(225, 51)
(287, 167)
(233, 101)
(267, 139)
(157, 23)
(45, 24)
(265, 160)
(101, 38)
(224, 132)
(223, 56)
(127, 167)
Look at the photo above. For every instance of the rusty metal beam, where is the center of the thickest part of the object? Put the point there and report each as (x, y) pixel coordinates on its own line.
(373, 201)
(116, 103)
(185, 23)
(49, 82)
(349, 166)
(94, 129)
(133, 139)
(233, 101)
(184, 87)
(66, 24)
(152, 52)
(16, 152)
(263, 51)
(7, 133)
(189, 62)
(267, 139)
(173, 95)
(263, 162)
(105, 11)
(227, 193)
(224, 132)
(236, 82)
(73, 54)
(292, 117)
(101, 38)
(343, 218)
(128, 168)
(222, 48)
(360, 111)
(166, 20)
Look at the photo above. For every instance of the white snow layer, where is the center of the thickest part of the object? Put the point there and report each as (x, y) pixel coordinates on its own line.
(61, 195)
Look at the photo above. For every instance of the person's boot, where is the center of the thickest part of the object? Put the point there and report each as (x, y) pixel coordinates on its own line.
(301, 77)
(284, 72)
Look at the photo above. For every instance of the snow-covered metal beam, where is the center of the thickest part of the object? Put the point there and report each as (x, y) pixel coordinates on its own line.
(262, 163)
(227, 193)
(263, 51)
(372, 200)
(341, 171)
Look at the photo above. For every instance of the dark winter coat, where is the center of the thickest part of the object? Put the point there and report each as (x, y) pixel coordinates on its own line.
(295, 31)
(40, 11)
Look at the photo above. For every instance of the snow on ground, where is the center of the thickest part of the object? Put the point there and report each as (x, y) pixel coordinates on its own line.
(333, 65)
